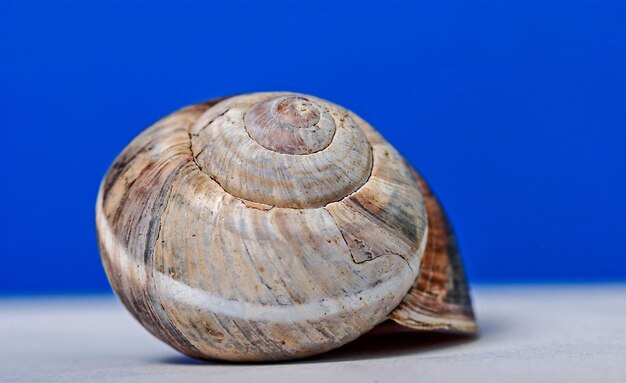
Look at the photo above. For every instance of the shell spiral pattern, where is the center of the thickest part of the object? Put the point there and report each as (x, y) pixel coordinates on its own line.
(269, 226)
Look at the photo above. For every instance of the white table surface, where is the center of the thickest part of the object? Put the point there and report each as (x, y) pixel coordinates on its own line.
(529, 334)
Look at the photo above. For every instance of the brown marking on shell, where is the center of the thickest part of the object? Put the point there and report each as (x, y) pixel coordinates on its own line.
(136, 188)
(439, 298)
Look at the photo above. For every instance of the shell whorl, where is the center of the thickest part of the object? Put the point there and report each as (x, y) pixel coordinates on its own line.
(282, 149)
(265, 226)
(290, 125)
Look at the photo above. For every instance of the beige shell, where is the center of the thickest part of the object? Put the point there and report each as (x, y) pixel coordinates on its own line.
(271, 226)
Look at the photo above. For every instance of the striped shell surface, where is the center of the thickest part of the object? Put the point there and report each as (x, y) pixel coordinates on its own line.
(272, 226)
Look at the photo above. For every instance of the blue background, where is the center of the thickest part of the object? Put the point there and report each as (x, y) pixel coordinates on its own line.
(515, 111)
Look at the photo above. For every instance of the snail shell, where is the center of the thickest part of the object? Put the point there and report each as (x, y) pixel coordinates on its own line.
(271, 226)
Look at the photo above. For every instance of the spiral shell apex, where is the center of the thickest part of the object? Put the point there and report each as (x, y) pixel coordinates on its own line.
(283, 150)
(272, 226)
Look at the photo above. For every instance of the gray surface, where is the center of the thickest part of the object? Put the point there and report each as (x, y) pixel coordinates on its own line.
(529, 334)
